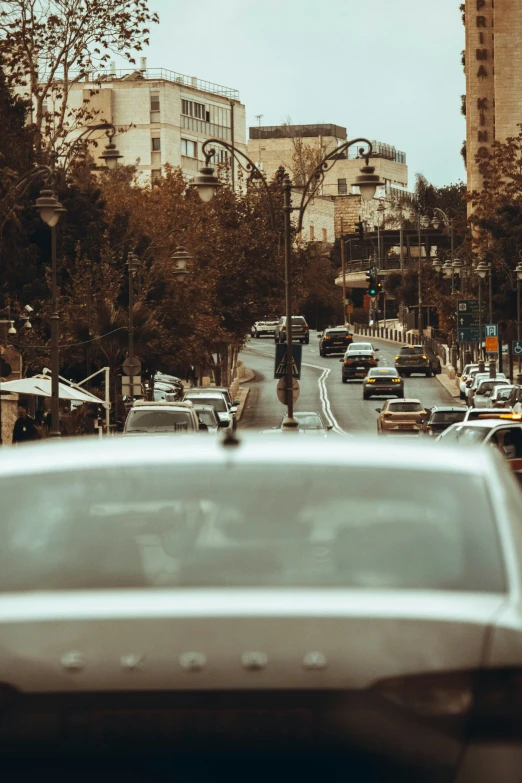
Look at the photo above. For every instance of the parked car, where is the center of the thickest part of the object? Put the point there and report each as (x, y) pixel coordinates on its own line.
(264, 328)
(483, 392)
(500, 396)
(217, 400)
(207, 416)
(383, 381)
(505, 433)
(146, 417)
(464, 377)
(442, 417)
(334, 341)
(477, 379)
(300, 330)
(156, 623)
(417, 359)
(400, 417)
(166, 391)
(206, 389)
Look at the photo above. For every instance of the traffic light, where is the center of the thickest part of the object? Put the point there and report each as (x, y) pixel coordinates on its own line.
(360, 230)
(374, 286)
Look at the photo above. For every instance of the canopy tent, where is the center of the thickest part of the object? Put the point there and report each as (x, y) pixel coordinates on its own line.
(40, 386)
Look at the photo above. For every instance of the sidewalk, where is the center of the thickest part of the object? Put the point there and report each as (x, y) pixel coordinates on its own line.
(450, 385)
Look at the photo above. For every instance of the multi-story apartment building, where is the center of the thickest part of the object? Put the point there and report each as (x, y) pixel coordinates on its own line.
(284, 145)
(166, 116)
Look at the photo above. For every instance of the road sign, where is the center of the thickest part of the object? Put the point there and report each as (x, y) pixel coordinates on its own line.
(349, 309)
(468, 316)
(281, 390)
(517, 347)
(468, 306)
(467, 335)
(491, 330)
(126, 386)
(491, 344)
(280, 360)
(366, 302)
(133, 368)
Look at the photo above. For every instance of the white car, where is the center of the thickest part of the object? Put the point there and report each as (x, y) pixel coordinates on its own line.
(219, 402)
(315, 608)
(479, 377)
(359, 347)
(484, 391)
(464, 377)
(264, 328)
(160, 417)
(500, 396)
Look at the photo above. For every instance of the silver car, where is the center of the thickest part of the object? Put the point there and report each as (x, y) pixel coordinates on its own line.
(321, 605)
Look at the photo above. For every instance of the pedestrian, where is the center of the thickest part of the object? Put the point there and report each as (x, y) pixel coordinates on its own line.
(25, 428)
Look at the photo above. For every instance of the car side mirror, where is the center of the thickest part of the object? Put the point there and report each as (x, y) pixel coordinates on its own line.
(236, 403)
(329, 426)
(319, 336)
(203, 427)
(379, 410)
(341, 360)
(459, 375)
(221, 422)
(376, 349)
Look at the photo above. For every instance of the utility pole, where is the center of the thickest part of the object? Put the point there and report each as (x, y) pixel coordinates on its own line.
(343, 271)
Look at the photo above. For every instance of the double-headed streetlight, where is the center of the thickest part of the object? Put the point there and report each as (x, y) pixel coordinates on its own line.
(518, 271)
(207, 184)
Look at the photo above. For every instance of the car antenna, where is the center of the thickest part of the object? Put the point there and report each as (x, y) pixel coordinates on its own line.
(230, 437)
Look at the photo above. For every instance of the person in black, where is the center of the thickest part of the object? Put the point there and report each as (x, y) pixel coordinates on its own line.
(25, 427)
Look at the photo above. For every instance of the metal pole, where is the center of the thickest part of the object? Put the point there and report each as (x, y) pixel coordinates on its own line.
(131, 334)
(287, 209)
(55, 348)
(420, 327)
(490, 295)
(88, 352)
(519, 325)
(480, 315)
(401, 240)
(343, 271)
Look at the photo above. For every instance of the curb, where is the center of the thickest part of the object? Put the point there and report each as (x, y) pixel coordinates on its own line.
(243, 397)
(449, 385)
(248, 376)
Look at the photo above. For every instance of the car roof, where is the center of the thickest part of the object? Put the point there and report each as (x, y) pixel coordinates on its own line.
(80, 454)
(378, 370)
(412, 345)
(492, 422)
(201, 407)
(209, 393)
(450, 408)
(141, 404)
(206, 389)
(404, 399)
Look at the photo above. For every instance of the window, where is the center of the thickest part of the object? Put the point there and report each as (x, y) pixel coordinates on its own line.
(154, 101)
(193, 109)
(342, 187)
(156, 144)
(155, 175)
(188, 148)
(325, 235)
(312, 233)
(185, 108)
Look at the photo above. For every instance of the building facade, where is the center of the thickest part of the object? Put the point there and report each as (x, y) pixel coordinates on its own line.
(164, 117)
(493, 78)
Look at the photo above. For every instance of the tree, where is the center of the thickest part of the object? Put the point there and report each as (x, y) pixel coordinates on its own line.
(47, 46)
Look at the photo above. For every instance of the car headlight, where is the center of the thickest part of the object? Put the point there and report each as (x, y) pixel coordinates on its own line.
(370, 380)
(396, 380)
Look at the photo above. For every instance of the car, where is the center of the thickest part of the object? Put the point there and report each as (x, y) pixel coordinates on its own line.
(476, 380)
(217, 400)
(401, 417)
(334, 341)
(362, 346)
(500, 396)
(264, 328)
(300, 330)
(357, 363)
(146, 417)
(383, 380)
(206, 389)
(310, 422)
(417, 359)
(442, 417)
(472, 414)
(483, 392)
(149, 610)
(166, 391)
(464, 377)
(207, 415)
(515, 399)
(504, 432)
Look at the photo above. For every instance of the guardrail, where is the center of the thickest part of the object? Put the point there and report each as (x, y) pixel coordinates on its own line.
(397, 336)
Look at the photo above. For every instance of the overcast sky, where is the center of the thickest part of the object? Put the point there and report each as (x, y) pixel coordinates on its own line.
(385, 69)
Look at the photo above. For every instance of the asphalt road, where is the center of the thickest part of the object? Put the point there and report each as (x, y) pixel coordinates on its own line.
(321, 388)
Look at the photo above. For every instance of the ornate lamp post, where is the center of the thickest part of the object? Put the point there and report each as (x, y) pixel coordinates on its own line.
(207, 185)
(518, 270)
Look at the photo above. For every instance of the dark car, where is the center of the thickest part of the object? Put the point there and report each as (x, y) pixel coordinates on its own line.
(310, 422)
(300, 331)
(356, 364)
(385, 381)
(443, 417)
(419, 359)
(334, 341)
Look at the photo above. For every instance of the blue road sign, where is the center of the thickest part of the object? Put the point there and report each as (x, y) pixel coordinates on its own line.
(517, 347)
(467, 335)
(280, 360)
(491, 330)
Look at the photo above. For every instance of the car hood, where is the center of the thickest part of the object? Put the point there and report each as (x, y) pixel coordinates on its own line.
(314, 639)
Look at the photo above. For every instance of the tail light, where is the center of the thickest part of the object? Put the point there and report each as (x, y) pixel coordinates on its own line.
(306, 326)
(386, 415)
(490, 701)
(348, 362)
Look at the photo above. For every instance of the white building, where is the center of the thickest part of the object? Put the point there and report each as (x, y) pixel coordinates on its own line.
(167, 116)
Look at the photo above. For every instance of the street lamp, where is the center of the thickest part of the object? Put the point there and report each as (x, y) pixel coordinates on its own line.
(111, 154)
(518, 270)
(437, 264)
(207, 185)
(133, 267)
(50, 209)
(181, 258)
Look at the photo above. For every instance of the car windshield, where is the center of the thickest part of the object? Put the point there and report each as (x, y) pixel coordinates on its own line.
(298, 319)
(360, 347)
(485, 386)
(405, 407)
(158, 421)
(218, 403)
(503, 394)
(337, 332)
(448, 417)
(155, 526)
(465, 435)
(309, 421)
(411, 351)
(207, 418)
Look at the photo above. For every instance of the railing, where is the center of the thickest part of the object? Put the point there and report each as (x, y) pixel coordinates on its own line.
(387, 265)
(163, 74)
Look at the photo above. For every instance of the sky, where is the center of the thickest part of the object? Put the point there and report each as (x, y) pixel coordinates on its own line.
(388, 70)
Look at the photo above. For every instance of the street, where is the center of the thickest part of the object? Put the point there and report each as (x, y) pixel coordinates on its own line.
(321, 388)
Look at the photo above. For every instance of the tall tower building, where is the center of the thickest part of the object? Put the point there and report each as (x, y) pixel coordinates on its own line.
(493, 77)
